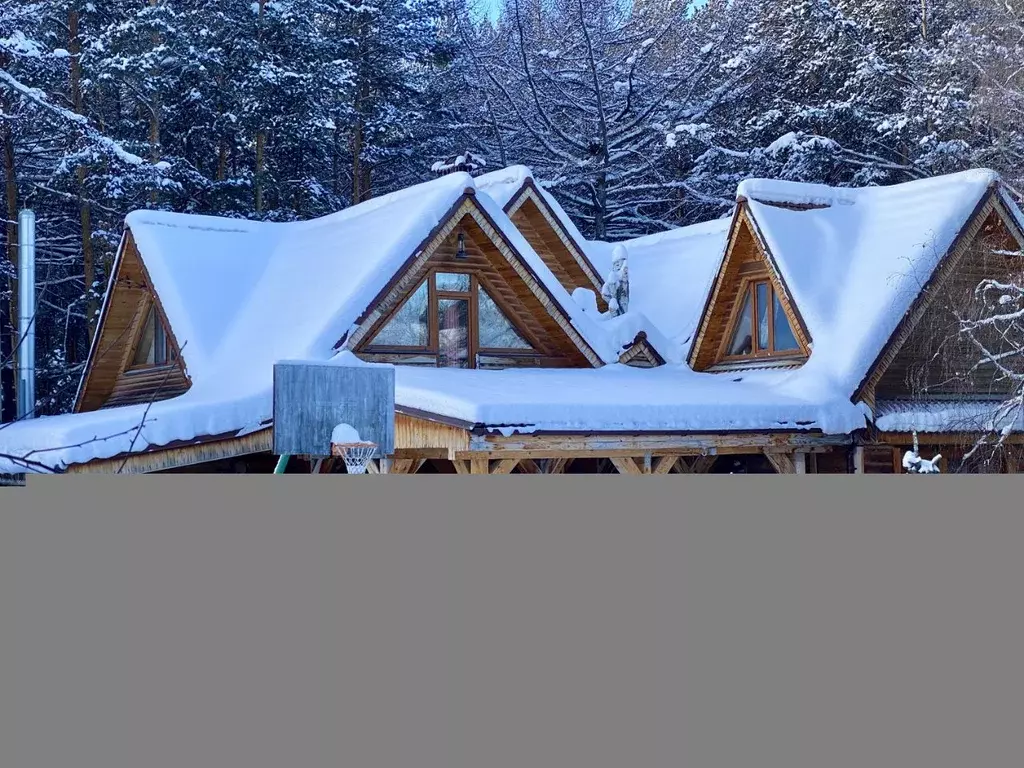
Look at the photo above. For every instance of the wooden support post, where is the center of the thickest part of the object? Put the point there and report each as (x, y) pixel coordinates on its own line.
(461, 466)
(503, 466)
(701, 465)
(800, 460)
(406, 466)
(479, 466)
(664, 465)
(556, 466)
(626, 465)
(783, 462)
(647, 464)
(858, 460)
(529, 467)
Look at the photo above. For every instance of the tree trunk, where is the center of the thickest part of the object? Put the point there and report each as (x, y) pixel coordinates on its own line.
(8, 307)
(261, 143)
(84, 211)
(261, 135)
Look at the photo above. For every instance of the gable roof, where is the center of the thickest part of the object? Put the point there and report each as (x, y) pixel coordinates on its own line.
(855, 262)
(240, 295)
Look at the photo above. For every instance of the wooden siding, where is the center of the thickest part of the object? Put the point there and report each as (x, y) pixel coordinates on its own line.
(411, 432)
(500, 272)
(640, 354)
(185, 454)
(934, 359)
(147, 384)
(554, 247)
(745, 259)
(887, 459)
(106, 382)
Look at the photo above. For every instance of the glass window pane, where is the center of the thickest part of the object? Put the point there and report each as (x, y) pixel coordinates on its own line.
(762, 315)
(159, 341)
(452, 281)
(410, 325)
(496, 331)
(741, 343)
(453, 333)
(785, 339)
(144, 351)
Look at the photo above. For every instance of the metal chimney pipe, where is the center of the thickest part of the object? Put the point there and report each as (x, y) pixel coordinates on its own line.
(26, 314)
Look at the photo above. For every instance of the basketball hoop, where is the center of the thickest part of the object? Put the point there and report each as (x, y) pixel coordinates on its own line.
(355, 455)
(355, 452)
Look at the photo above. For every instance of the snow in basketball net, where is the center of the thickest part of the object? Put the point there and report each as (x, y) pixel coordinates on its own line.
(355, 452)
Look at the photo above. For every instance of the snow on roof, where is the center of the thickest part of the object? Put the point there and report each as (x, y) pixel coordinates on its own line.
(670, 274)
(615, 398)
(241, 295)
(945, 416)
(503, 185)
(606, 337)
(854, 269)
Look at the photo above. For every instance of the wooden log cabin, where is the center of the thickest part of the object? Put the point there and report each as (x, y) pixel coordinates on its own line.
(813, 331)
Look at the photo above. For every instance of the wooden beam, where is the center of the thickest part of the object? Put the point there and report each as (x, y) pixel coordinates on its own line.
(936, 438)
(503, 466)
(461, 466)
(611, 444)
(529, 467)
(406, 466)
(626, 465)
(696, 465)
(701, 465)
(479, 466)
(783, 462)
(556, 466)
(665, 464)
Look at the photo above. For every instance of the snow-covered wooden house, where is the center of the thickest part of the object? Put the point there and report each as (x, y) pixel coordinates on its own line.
(798, 335)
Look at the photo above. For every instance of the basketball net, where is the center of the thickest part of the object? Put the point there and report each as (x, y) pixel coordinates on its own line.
(355, 455)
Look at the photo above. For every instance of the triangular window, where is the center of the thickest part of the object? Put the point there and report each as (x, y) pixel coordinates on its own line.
(152, 348)
(495, 329)
(410, 326)
(761, 327)
(452, 318)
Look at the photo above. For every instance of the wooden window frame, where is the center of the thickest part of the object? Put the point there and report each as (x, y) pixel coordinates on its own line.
(149, 310)
(434, 297)
(748, 289)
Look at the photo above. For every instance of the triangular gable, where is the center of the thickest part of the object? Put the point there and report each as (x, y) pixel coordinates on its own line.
(641, 354)
(921, 354)
(113, 375)
(747, 262)
(542, 228)
(500, 270)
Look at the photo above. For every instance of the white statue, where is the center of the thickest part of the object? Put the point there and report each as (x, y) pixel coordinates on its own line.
(616, 288)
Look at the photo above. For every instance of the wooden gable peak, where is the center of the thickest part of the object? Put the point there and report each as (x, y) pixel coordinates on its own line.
(747, 263)
(468, 242)
(991, 217)
(113, 375)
